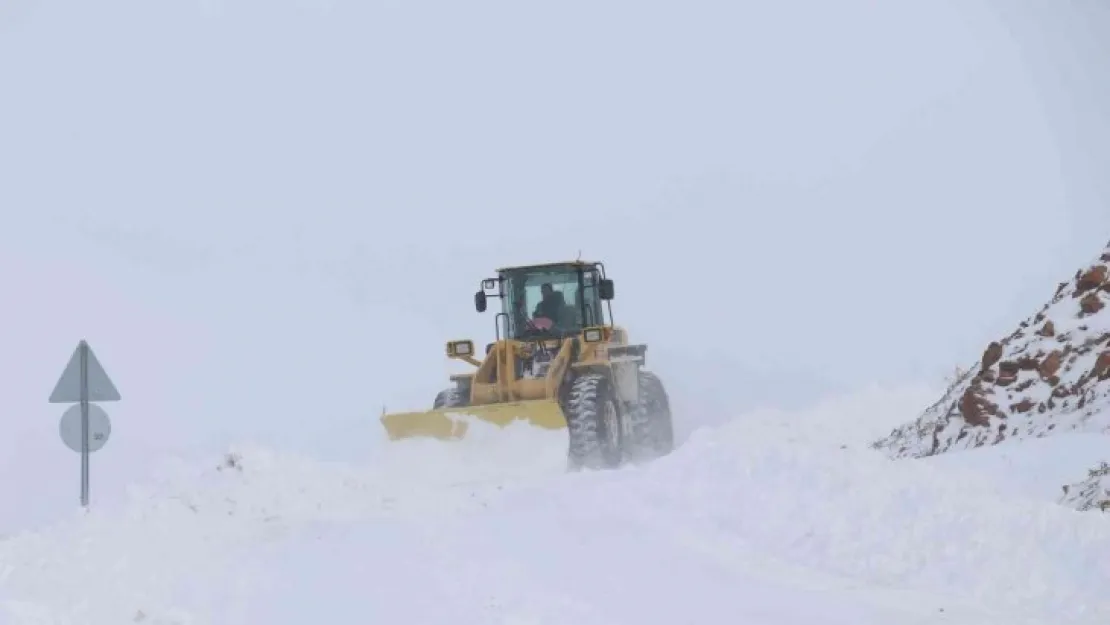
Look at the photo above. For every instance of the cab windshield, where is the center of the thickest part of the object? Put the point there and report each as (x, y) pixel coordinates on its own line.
(552, 301)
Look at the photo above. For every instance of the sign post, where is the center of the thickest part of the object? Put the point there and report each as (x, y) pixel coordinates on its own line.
(84, 427)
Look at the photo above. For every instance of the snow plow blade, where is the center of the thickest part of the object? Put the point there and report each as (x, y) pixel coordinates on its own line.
(453, 423)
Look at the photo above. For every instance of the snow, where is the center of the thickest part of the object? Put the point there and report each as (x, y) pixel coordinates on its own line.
(777, 517)
(1092, 492)
(1033, 468)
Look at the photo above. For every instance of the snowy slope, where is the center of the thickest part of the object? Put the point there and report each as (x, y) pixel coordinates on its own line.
(1052, 374)
(1092, 492)
(776, 518)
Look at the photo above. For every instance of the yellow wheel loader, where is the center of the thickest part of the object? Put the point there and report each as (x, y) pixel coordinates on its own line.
(557, 362)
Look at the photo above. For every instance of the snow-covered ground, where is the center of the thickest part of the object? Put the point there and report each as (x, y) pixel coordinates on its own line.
(775, 517)
(1092, 492)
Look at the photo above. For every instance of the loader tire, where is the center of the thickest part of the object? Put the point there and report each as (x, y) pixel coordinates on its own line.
(652, 429)
(450, 398)
(593, 424)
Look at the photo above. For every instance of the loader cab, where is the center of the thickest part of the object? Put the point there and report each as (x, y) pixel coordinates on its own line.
(568, 296)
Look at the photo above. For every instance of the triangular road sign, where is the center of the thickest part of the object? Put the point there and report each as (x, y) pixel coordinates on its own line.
(100, 386)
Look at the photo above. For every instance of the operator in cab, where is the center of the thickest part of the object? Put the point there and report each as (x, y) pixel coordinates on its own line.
(551, 306)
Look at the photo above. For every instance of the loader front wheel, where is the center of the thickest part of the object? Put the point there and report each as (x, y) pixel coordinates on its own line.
(593, 424)
(652, 430)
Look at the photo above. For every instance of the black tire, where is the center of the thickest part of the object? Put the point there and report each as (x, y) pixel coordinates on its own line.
(450, 398)
(593, 424)
(651, 425)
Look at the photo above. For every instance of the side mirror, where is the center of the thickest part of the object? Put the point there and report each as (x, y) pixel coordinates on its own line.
(605, 289)
(480, 301)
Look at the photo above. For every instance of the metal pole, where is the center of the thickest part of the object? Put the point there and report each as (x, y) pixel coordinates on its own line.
(84, 425)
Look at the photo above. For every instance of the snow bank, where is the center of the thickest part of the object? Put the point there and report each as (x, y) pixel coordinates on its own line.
(1092, 493)
(775, 516)
(769, 484)
(187, 540)
(1033, 468)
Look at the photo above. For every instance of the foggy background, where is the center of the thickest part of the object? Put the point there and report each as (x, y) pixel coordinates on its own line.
(267, 218)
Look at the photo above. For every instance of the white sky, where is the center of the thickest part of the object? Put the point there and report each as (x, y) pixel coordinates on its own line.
(268, 217)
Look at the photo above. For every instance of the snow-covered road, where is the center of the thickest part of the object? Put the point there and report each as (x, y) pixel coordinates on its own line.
(775, 518)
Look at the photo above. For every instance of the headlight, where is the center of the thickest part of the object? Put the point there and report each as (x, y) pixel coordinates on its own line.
(593, 335)
(460, 348)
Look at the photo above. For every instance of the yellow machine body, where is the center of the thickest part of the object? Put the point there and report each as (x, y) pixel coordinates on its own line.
(497, 392)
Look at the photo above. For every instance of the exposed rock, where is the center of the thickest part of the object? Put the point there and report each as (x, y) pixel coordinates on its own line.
(1007, 372)
(1048, 329)
(975, 408)
(1094, 278)
(1051, 364)
(1091, 304)
(1102, 366)
(991, 355)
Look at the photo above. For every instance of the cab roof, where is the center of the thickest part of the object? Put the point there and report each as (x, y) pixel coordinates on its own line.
(565, 263)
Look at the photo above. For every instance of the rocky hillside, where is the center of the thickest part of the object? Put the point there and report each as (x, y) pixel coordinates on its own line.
(1051, 374)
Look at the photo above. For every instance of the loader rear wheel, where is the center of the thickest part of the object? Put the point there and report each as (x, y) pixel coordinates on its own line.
(452, 397)
(652, 430)
(593, 424)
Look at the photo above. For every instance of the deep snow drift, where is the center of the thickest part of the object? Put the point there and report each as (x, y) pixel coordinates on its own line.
(775, 517)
